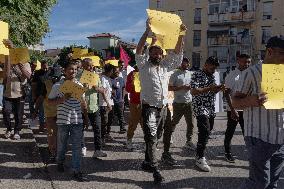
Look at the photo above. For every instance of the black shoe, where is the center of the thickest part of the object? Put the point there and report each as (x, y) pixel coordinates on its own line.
(60, 167)
(168, 159)
(229, 158)
(145, 166)
(52, 158)
(158, 178)
(80, 177)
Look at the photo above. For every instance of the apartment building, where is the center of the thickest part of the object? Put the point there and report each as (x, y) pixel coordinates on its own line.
(226, 28)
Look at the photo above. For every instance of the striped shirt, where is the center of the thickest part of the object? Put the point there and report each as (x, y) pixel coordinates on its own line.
(68, 112)
(266, 125)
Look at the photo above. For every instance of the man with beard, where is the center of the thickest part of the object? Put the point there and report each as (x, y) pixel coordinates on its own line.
(203, 90)
(153, 71)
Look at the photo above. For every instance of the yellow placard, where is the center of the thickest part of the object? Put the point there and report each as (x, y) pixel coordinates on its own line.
(273, 84)
(158, 43)
(112, 62)
(166, 26)
(137, 85)
(78, 53)
(2, 59)
(90, 78)
(4, 34)
(19, 55)
(95, 60)
(38, 65)
(74, 89)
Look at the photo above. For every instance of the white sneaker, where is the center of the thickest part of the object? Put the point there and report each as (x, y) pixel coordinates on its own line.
(190, 146)
(16, 136)
(99, 153)
(84, 151)
(202, 164)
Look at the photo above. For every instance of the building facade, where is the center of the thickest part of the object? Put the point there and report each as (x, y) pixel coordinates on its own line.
(226, 28)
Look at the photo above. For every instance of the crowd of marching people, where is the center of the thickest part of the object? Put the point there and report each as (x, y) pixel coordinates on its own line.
(64, 117)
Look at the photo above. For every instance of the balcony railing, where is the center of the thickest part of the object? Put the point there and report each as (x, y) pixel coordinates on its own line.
(227, 18)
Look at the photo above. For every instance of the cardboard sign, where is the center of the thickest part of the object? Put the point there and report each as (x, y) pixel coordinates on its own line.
(137, 85)
(4, 34)
(90, 78)
(73, 88)
(166, 26)
(273, 84)
(78, 53)
(95, 60)
(19, 55)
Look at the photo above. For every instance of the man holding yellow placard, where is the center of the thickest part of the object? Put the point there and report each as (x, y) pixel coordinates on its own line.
(153, 70)
(15, 78)
(263, 128)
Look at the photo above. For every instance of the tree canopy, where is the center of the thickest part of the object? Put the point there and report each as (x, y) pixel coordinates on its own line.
(28, 19)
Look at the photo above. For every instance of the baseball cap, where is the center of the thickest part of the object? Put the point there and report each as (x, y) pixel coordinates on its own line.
(276, 42)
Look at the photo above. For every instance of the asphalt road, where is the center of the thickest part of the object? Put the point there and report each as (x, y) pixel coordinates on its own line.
(23, 164)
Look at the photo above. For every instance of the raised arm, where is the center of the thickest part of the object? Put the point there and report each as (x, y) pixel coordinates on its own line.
(140, 46)
(180, 42)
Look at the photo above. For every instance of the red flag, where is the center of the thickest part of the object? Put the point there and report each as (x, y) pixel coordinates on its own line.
(124, 57)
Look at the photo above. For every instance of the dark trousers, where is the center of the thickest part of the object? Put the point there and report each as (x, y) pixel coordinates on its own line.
(183, 109)
(153, 119)
(106, 121)
(231, 127)
(266, 162)
(15, 106)
(118, 110)
(95, 121)
(205, 125)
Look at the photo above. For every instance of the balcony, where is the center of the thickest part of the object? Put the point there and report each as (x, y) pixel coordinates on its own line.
(231, 18)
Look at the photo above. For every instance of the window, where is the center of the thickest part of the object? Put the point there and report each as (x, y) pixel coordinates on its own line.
(197, 16)
(266, 34)
(196, 60)
(181, 13)
(267, 11)
(225, 4)
(214, 6)
(196, 38)
(159, 3)
(196, 1)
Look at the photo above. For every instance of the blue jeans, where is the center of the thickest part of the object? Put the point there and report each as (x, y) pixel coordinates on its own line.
(265, 164)
(1, 94)
(75, 133)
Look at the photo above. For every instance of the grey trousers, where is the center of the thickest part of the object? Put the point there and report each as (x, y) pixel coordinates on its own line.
(179, 110)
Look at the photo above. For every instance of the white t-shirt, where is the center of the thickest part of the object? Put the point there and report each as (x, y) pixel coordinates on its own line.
(106, 84)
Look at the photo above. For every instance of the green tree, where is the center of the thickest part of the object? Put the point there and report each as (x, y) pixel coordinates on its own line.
(28, 19)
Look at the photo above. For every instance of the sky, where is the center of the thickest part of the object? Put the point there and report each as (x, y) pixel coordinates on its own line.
(72, 21)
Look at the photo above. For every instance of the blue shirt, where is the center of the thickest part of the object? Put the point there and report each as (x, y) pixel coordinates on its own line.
(118, 86)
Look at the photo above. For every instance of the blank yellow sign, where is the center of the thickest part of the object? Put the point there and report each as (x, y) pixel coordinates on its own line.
(137, 85)
(166, 25)
(95, 60)
(112, 62)
(91, 78)
(73, 88)
(78, 53)
(273, 84)
(4, 34)
(19, 55)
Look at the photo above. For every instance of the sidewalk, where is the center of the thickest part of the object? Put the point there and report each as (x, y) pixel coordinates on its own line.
(121, 169)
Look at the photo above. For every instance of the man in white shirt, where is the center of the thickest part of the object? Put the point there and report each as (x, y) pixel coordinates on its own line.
(234, 116)
(153, 71)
